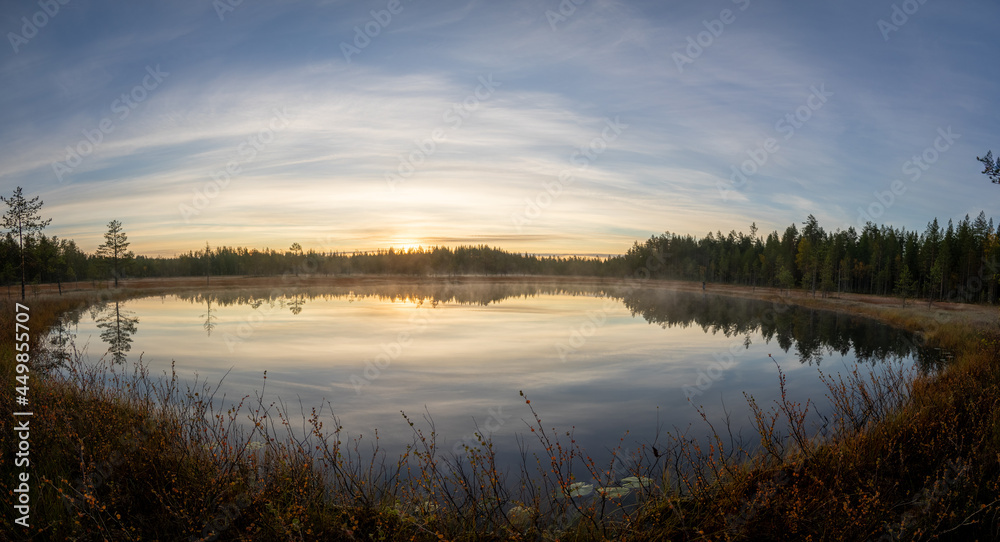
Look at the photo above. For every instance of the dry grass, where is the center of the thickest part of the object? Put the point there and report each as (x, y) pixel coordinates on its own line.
(119, 455)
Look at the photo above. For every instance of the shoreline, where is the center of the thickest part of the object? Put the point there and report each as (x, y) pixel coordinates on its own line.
(914, 315)
(862, 483)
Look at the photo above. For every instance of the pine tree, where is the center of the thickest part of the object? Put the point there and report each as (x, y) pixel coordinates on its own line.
(115, 248)
(22, 220)
(905, 284)
(992, 167)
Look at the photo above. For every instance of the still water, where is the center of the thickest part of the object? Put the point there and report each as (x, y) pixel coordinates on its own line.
(604, 362)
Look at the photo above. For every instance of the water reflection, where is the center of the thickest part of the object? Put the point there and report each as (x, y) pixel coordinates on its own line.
(210, 318)
(295, 303)
(117, 326)
(809, 332)
(462, 352)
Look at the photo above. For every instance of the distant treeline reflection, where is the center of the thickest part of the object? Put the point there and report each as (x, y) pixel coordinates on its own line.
(811, 333)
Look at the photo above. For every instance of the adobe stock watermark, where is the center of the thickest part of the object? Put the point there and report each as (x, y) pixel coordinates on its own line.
(247, 151)
(454, 116)
(254, 320)
(222, 7)
(581, 158)
(625, 463)
(224, 518)
(586, 329)
(104, 470)
(900, 16)
(390, 351)
(929, 501)
(725, 360)
(973, 287)
(914, 169)
(38, 20)
(123, 107)
(494, 422)
(596, 319)
(565, 10)
(363, 35)
(787, 126)
(760, 497)
(714, 371)
(242, 331)
(714, 29)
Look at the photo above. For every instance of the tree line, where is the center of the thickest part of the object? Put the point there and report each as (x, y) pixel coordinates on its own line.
(953, 262)
(29, 256)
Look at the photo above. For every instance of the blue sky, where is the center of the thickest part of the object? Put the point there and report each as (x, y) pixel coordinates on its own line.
(547, 127)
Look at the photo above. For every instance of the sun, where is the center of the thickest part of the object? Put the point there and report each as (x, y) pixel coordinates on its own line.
(406, 244)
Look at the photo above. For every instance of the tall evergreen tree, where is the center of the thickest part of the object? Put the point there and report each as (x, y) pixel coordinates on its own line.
(115, 249)
(22, 220)
(905, 284)
(991, 167)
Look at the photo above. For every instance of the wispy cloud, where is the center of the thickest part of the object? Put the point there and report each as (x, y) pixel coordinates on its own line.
(323, 175)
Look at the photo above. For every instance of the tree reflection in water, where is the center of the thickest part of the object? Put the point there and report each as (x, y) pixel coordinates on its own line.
(811, 333)
(117, 327)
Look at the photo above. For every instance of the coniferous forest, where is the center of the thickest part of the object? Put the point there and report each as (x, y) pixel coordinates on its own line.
(951, 261)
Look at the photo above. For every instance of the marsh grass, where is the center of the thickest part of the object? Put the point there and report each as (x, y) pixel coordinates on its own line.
(120, 454)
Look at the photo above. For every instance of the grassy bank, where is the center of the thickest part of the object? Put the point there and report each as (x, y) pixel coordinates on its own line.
(117, 454)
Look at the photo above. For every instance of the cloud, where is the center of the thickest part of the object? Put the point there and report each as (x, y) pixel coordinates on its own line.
(350, 124)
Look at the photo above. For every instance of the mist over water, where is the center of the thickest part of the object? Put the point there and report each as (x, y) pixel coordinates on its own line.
(616, 366)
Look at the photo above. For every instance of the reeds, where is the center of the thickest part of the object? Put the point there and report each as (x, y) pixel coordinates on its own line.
(119, 454)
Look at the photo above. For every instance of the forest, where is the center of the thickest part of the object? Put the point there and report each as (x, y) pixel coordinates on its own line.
(953, 262)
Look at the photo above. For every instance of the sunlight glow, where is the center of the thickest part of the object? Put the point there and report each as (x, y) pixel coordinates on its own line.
(407, 245)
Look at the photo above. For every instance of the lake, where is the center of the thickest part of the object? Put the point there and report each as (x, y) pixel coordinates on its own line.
(597, 360)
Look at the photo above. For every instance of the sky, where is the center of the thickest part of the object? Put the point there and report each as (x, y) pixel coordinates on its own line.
(549, 127)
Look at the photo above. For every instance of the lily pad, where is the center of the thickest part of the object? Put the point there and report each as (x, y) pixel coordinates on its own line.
(579, 489)
(636, 482)
(613, 492)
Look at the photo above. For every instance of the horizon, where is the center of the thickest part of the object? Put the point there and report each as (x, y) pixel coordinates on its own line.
(564, 128)
(761, 235)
